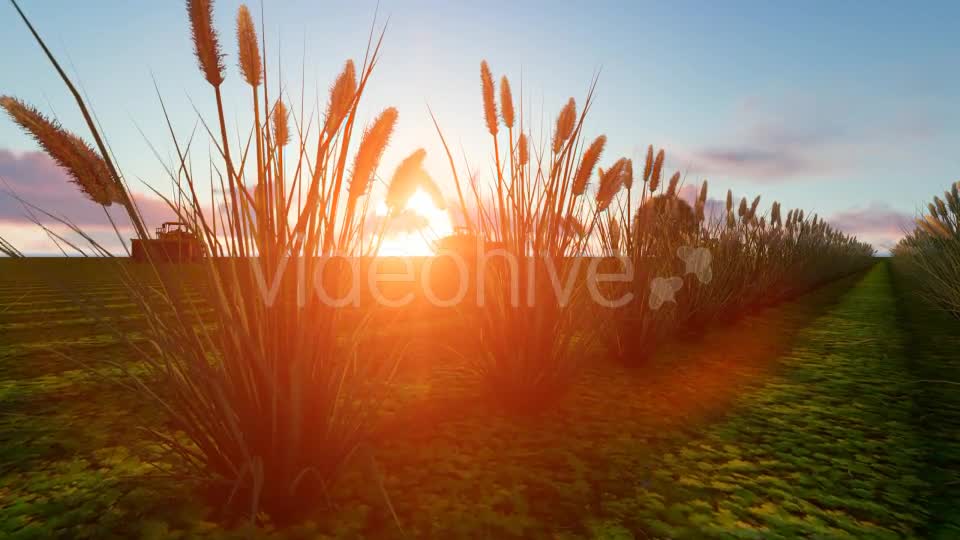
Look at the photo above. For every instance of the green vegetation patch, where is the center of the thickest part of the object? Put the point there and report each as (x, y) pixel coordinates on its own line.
(934, 358)
(829, 448)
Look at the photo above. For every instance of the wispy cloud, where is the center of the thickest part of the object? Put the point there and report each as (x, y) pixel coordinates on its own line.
(36, 179)
(758, 163)
(800, 138)
(878, 223)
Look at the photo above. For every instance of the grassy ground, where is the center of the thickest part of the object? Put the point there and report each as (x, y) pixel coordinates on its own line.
(802, 420)
(934, 358)
(828, 448)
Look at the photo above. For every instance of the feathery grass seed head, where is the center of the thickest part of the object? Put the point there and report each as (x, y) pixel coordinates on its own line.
(753, 208)
(933, 227)
(628, 175)
(506, 102)
(614, 232)
(565, 123)
(251, 66)
(281, 130)
(341, 98)
(85, 167)
(648, 164)
(701, 203)
(672, 186)
(523, 150)
(953, 201)
(489, 105)
(611, 181)
(587, 163)
(655, 172)
(374, 141)
(206, 43)
(941, 208)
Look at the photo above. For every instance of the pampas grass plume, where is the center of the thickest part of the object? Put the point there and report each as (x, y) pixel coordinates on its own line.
(506, 102)
(523, 150)
(628, 175)
(672, 186)
(489, 105)
(251, 66)
(206, 43)
(565, 123)
(374, 141)
(753, 208)
(85, 167)
(655, 171)
(648, 164)
(341, 97)
(611, 181)
(587, 163)
(281, 130)
(614, 226)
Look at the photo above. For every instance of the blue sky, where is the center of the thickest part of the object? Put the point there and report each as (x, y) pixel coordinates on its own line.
(846, 109)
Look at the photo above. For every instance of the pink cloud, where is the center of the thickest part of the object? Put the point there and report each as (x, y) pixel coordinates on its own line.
(803, 138)
(879, 223)
(36, 179)
(32, 240)
(750, 163)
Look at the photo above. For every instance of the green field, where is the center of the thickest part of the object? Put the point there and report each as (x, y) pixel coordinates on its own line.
(832, 416)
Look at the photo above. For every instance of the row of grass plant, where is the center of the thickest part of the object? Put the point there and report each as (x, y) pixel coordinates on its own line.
(720, 265)
(932, 251)
(543, 208)
(933, 343)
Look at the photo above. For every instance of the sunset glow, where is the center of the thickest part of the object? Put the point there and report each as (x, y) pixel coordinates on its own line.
(414, 230)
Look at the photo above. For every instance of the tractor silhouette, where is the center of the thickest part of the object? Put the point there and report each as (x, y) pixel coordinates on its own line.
(465, 243)
(174, 243)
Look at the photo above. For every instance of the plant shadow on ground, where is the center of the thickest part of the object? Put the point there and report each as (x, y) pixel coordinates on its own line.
(480, 472)
(828, 448)
(934, 359)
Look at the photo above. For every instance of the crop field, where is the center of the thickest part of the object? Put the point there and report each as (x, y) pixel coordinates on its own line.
(809, 418)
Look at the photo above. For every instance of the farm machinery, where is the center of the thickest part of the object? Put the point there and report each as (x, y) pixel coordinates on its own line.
(466, 243)
(174, 243)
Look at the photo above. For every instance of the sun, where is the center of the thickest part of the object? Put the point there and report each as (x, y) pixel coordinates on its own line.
(414, 231)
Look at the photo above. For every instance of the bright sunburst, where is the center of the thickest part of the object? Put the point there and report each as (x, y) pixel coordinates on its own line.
(414, 231)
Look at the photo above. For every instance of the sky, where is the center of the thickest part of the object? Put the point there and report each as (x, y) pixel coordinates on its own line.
(846, 109)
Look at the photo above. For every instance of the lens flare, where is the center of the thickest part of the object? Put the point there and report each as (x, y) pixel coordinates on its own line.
(414, 231)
